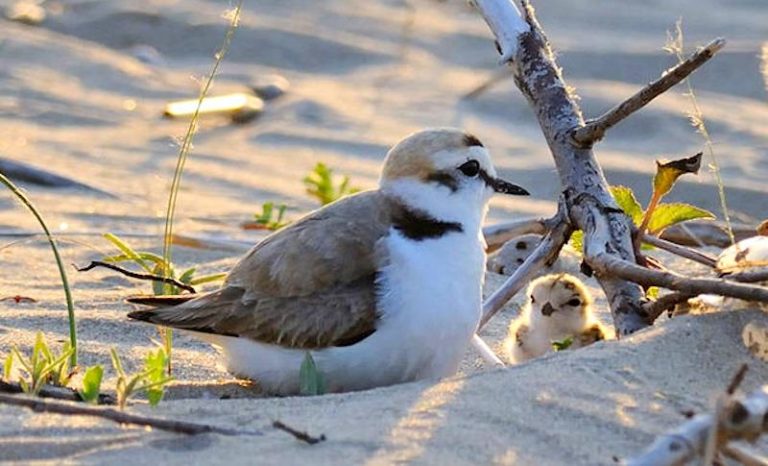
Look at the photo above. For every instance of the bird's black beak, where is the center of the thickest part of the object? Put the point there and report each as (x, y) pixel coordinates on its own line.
(547, 310)
(502, 186)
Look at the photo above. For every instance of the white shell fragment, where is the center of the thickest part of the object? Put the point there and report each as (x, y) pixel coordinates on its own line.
(755, 337)
(239, 107)
(747, 253)
(514, 252)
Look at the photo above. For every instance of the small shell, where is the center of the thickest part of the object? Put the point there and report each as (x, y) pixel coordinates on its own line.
(750, 252)
(514, 252)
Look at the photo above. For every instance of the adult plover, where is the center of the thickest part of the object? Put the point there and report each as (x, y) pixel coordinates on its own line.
(381, 287)
(558, 312)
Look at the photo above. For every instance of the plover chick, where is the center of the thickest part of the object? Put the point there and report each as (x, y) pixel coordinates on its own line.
(514, 252)
(380, 287)
(558, 311)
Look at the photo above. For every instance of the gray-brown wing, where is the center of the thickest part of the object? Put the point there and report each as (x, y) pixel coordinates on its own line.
(331, 246)
(339, 316)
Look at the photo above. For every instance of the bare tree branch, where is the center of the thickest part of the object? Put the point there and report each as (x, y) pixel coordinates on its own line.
(58, 407)
(664, 303)
(742, 419)
(591, 207)
(594, 130)
(681, 251)
(606, 264)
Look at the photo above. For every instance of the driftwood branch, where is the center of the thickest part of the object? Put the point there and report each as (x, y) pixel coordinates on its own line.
(681, 251)
(665, 303)
(606, 264)
(58, 407)
(57, 393)
(137, 275)
(594, 130)
(591, 207)
(742, 418)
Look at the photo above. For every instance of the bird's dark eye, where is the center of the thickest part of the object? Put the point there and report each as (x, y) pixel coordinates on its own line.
(574, 302)
(533, 300)
(471, 168)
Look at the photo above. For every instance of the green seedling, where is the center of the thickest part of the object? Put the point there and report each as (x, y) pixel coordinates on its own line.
(271, 216)
(151, 380)
(321, 186)
(563, 344)
(91, 384)
(59, 263)
(154, 264)
(41, 368)
(310, 380)
(657, 216)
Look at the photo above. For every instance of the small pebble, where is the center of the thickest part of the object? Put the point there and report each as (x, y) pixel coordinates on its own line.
(270, 86)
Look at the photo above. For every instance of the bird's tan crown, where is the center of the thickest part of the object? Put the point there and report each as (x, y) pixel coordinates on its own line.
(416, 155)
(565, 283)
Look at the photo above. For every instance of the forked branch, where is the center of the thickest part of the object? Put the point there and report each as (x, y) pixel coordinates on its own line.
(595, 129)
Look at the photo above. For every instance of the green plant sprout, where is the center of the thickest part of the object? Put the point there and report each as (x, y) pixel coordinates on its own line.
(41, 368)
(561, 345)
(152, 380)
(310, 380)
(321, 186)
(64, 281)
(674, 46)
(657, 216)
(271, 216)
(91, 384)
(155, 265)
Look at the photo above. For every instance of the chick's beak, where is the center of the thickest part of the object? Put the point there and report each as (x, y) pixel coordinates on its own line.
(547, 310)
(502, 186)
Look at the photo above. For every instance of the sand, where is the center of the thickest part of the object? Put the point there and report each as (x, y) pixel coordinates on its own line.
(74, 99)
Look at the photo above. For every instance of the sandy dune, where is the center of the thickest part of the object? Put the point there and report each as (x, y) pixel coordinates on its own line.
(74, 99)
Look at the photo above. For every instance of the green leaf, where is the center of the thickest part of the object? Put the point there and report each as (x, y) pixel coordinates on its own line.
(668, 173)
(667, 215)
(625, 198)
(154, 367)
(116, 363)
(577, 241)
(214, 277)
(186, 277)
(8, 367)
(127, 250)
(91, 384)
(162, 288)
(310, 380)
(563, 344)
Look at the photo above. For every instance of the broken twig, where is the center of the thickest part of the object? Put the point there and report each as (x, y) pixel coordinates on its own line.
(594, 130)
(136, 275)
(681, 251)
(58, 407)
(299, 435)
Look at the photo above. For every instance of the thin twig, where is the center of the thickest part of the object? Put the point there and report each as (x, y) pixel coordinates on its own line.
(57, 393)
(58, 407)
(664, 303)
(299, 435)
(594, 130)
(606, 264)
(545, 252)
(137, 275)
(750, 276)
(737, 379)
(681, 251)
(742, 456)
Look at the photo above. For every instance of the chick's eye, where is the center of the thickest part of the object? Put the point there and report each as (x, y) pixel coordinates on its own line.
(533, 300)
(574, 302)
(471, 168)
